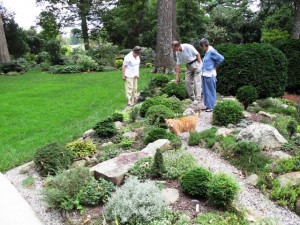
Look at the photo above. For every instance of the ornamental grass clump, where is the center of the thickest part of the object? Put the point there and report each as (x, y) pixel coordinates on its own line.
(195, 181)
(135, 202)
(222, 190)
(82, 149)
(52, 158)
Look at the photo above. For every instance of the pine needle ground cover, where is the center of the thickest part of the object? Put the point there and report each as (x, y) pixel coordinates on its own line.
(39, 108)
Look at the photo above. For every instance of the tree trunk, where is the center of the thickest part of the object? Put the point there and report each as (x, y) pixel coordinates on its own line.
(296, 29)
(164, 53)
(4, 54)
(85, 32)
(174, 22)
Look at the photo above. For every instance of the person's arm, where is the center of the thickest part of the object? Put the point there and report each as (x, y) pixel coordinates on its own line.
(123, 72)
(198, 58)
(217, 57)
(177, 73)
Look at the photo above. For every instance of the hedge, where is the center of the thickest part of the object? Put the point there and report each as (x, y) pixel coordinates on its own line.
(259, 65)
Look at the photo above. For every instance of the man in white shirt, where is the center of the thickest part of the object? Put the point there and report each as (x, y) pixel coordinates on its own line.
(186, 53)
(130, 73)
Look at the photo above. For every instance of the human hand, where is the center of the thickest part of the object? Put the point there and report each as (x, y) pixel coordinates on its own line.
(123, 77)
(177, 80)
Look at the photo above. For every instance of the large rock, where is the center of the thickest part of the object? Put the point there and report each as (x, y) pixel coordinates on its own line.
(89, 133)
(130, 135)
(267, 114)
(223, 131)
(116, 168)
(170, 195)
(119, 125)
(252, 179)
(292, 178)
(264, 135)
(188, 112)
(280, 155)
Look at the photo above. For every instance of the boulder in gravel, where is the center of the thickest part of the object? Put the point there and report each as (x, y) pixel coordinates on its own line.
(223, 131)
(252, 179)
(119, 125)
(264, 135)
(279, 155)
(130, 135)
(170, 195)
(88, 133)
(292, 178)
(163, 144)
(188, 112)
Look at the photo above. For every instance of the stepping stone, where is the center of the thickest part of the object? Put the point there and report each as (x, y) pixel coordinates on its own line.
(14, 210)
(116, 168)
(170, 195)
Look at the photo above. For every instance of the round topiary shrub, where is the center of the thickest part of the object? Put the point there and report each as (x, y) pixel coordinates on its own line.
(52, 158)
(81, 148)
(291, 49)
(171, 103)
(226, 112)
(222, 189)
(159, 81)
(105, 128)
(246, 95)
(259, 65)
(157, 114)
(177, 90)
(195, 181)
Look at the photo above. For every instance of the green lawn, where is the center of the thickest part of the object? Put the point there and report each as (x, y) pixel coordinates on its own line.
(38, 108)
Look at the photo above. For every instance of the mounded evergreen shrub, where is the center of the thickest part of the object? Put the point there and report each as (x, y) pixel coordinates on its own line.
(245, 148)
(159, 81)
(105, 128)
(52, 158)
(195, 181)
(226, 112)
(171, 103)
(292, 127)
(11, 67)
(291, 49)
(157, 114)
(135, 203)
(155, 134)
(81, 148)
(222, 190)
(117, 116)
(259, 65)
(246, 95)
(177, 90)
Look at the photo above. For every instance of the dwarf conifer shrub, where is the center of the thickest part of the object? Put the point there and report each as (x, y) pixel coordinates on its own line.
(81, 148)
(117, 116)
(259, 65)
(226, 112)
(154, 134)
(177, 90)
(171, 103)
(222, 190)
(157, 114)
(245, 148)
(292, 127)
(52, 158)
(135, 202)
(76, 188)
(105, 128)
(195, 181)
(246, 95)
(158, 166)
(159, 81)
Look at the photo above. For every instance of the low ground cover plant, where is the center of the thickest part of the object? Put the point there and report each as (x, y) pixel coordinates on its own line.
(52, 158)
(135, 202)
(220, 218)
(108, 152)
(74, 189)
(82, 148)
(226, 112)
(287, 165)
(207, 135)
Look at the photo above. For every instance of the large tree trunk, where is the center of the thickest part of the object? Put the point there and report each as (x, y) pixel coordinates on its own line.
(174, 22)
(4, 54)
(296, 29)
(85, 32)
(164, 53)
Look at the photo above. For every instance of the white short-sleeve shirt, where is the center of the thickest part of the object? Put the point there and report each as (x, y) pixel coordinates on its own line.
(132, 65)
(188, 54)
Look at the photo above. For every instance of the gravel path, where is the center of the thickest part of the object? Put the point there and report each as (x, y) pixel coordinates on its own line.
(32, 195)
(249, 197)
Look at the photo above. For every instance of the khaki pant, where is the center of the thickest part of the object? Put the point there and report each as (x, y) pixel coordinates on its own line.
(131, 88)
(193, 80)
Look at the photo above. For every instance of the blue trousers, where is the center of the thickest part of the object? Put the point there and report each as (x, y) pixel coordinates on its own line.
(209, 91)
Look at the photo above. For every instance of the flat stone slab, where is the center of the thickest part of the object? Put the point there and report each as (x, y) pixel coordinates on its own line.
(14, 210)
(292, 178)
(116, 168)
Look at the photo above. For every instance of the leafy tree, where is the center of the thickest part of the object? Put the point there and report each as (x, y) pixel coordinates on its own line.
(49, 25)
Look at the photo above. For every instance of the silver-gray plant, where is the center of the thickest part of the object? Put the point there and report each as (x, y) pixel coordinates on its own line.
(135, 202)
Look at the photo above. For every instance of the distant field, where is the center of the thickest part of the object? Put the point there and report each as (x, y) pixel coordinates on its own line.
(38, 108)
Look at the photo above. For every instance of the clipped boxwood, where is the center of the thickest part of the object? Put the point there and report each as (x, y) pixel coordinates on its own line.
(291, 49)
(177, 90)
(171, 103)
(222, 190)
(195, 181)
(226, 112)
(157, 114)
(259, 65)
(105, 128)
(52, 158)
(246, 95)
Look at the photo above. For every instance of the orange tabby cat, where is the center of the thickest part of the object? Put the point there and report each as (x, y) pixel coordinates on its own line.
(183, 124)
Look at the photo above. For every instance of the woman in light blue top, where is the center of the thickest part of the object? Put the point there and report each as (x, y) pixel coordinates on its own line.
(211, 61)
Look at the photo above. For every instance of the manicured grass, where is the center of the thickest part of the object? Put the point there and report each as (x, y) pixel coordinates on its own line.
(38, 108)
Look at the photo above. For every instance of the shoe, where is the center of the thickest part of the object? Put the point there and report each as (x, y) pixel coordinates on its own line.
(208, 110)
(195, 102)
